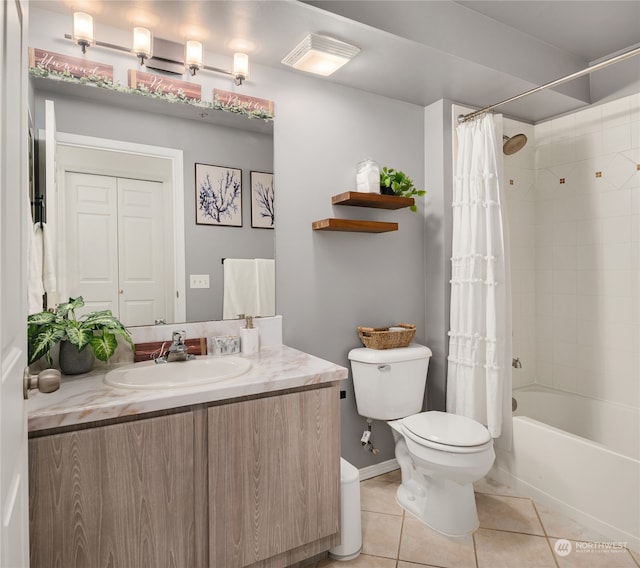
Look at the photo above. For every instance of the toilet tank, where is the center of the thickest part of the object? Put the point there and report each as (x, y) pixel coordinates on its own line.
(389, 383)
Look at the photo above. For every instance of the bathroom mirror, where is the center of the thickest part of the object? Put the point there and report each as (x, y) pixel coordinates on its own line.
(230, 141)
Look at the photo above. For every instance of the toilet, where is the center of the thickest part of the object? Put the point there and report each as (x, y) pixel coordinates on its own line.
(440, 454)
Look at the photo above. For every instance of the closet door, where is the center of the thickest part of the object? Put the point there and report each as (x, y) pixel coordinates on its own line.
(115, 246)
(141, 252)
(91, 219)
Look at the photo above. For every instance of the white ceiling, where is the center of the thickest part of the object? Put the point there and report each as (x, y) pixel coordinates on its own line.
(590, 30)
(473, 52)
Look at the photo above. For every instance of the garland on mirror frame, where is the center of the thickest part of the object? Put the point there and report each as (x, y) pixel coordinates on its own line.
(104, 83)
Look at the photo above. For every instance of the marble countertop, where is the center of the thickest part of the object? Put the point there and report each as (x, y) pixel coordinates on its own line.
(86, 398)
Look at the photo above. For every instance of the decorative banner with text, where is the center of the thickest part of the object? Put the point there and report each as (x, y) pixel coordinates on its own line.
(164, 85)
(227, 98)
(74, 66)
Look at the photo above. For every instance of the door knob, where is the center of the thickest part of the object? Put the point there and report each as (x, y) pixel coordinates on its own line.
(45, 381)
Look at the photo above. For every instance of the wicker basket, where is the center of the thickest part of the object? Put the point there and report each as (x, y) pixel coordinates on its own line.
(382, 338)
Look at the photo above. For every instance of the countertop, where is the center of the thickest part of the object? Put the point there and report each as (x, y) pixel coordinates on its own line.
(86, 398)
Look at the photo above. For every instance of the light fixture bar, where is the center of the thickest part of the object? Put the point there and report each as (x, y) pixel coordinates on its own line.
(104, 44)
(218, 70)
(129, 50)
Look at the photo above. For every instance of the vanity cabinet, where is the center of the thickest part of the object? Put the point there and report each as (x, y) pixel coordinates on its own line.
(120, 495)
(250, 482)
(274, 478)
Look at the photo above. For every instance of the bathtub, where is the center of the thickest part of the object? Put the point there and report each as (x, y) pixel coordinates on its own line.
(578, 455)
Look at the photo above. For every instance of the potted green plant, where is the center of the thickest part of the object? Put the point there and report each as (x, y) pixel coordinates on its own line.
(396, 182)
(81, 339)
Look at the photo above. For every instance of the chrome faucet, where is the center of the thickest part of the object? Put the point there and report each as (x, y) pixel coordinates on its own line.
(178, 351)
(516, 363)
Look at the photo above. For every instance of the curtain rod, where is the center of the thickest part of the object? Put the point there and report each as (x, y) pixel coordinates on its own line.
(588, 70)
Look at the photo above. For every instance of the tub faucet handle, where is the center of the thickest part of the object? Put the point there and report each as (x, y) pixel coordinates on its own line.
(516, 363)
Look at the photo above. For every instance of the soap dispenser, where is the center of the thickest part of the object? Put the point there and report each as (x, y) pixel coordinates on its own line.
(249, 337)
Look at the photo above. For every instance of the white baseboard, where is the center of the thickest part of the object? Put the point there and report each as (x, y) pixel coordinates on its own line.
(378, 469)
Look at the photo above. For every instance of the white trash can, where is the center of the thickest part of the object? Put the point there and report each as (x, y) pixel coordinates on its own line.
(350, 521)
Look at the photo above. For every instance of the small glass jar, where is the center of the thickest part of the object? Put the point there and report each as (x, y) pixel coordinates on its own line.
(368, 176)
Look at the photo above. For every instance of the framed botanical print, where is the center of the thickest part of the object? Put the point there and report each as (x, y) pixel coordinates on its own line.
(263, 214)
(218, 196)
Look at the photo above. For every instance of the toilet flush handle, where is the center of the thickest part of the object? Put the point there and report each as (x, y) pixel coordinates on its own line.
(384, 368)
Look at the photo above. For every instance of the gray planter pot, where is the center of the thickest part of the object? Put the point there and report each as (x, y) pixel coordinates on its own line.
(74, 362)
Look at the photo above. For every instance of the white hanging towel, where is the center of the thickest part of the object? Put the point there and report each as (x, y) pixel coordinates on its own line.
(49, 278)
(35, 289)
(266, 287)
(41, 268)
(240, 288)
(249, 287)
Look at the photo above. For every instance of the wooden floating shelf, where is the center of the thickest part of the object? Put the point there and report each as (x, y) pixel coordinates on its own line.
(377, 200)
(354, 226)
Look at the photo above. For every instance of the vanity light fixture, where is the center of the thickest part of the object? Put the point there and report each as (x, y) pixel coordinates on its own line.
(142, 43)
(320, 54)
(240, 67)
(193, 56)
(166, 52)
(83, 30)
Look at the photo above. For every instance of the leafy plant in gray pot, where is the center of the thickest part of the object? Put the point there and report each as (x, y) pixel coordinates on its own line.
(82, 340)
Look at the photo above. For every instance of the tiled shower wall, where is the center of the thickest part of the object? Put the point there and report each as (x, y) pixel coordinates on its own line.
(574, 213)
(519, 183)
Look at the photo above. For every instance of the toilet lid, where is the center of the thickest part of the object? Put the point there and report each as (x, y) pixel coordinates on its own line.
(447, 429)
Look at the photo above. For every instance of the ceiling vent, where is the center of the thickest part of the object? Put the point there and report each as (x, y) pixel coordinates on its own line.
(320, 54)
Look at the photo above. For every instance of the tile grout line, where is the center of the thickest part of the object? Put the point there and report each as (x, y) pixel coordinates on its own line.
(570, 539)
(535, 508)
(514, 532)
(475, 548)
(545, 534)
(502, 495)
(400, 539)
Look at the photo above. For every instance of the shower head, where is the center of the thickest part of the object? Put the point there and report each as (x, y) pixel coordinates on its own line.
(513, 144)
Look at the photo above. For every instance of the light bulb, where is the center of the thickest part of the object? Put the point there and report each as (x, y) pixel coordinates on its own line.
(240, 67)
(193, 55)
(83, 30)
(142, 43)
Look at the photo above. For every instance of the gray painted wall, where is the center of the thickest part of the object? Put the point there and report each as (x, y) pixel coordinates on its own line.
(201, 143)
(329, 283)
(438, 226)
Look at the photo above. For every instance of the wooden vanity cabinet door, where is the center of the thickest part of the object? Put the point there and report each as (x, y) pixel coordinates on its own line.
(114, 496)
(280, 492)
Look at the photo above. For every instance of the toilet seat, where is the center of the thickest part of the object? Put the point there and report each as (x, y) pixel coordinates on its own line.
(446, 432)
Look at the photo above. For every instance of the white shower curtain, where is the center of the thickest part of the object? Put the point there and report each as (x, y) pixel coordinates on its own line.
(479, 362)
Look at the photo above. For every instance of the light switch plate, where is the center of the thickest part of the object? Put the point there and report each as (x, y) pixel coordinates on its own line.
(198, 280)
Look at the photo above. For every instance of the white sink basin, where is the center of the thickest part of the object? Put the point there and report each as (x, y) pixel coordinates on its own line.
(177, 374)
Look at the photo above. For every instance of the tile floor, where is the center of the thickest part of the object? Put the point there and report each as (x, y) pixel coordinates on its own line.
(514, 532)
